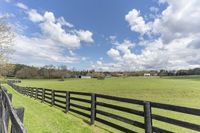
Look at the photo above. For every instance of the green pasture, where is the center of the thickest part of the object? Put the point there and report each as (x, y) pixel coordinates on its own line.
(179, 91)
(182, 91)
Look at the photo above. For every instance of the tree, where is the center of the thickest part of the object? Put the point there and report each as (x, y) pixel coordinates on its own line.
(7, 70)
(6, 37)
(163, 73)
(27, 72)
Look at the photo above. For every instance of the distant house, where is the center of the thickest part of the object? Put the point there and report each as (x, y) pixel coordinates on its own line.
(85, 77)
(147, 74)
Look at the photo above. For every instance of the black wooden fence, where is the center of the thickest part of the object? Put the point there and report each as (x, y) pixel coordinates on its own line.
(7, 112)
(89, 105)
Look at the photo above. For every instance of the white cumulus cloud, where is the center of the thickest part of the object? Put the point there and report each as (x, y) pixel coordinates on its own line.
(53, 28)
(114, 54)
(173, 41)
(136, 22)
(54, 43)
(34, 16)
(34, 50)
(85, 36)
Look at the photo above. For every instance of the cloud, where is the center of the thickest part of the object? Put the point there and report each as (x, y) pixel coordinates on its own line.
(195, 43)
(49, 16)
(8, 1)
(63, 22)
(34, 16)
(6, 15)
(173, 41)
(71, 53)
(53, 28)
(175, 21)
(125, 46)
(22, 6)
(34, 50)
(57, 33)
(53, 44)
(114, 54)
(136, 22)
(85, 36)
(154, 9)
(99, 63)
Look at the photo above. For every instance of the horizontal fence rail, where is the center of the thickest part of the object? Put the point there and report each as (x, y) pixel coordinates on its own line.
(97, 106)
(7, 112)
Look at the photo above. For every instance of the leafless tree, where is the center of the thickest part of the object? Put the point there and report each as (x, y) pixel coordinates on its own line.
(6, 37)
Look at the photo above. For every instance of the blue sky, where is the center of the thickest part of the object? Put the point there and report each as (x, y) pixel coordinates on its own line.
(112, 35)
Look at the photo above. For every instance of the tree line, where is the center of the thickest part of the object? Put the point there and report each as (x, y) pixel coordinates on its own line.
(61, 72)
(45, 72)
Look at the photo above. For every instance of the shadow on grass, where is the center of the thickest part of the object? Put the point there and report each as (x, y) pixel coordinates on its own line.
(85, 120)
(88, 122)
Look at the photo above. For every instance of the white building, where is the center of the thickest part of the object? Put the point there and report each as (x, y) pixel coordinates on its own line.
(85, 77)
(147, 74)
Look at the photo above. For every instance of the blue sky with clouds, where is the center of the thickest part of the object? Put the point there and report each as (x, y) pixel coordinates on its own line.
(112, 35)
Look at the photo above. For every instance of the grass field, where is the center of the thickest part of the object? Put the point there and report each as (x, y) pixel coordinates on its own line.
(182, 91)
(41, 118)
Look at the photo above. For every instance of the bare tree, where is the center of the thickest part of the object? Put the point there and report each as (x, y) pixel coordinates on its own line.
(6, 37)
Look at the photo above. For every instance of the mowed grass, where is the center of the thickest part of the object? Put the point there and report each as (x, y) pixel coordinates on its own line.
(41, 118)
(182, 91)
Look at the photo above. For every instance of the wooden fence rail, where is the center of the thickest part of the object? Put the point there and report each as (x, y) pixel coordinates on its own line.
(90, 106)
(8, 112)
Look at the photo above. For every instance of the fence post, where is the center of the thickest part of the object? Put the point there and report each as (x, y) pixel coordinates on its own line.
(7, 114)
(10, 96)
(93, 108)
(21, 88)
(31, 92)
(17, 89)
(147, 117)
(25, 91)
(20, 114)
(52, 97)
(67, 101)
(1, 109)
(43, 94)
(36, 93)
